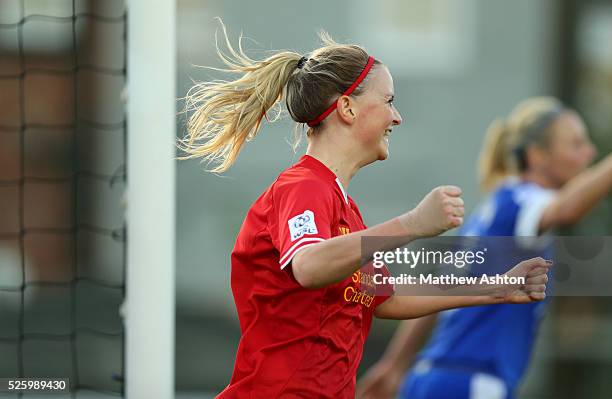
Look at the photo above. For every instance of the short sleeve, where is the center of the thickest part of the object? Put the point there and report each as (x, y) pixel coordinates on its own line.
(532, 206)
(303, 214)
(383, 291)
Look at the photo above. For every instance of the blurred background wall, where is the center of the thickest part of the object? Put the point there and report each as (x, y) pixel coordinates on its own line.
(456, 65)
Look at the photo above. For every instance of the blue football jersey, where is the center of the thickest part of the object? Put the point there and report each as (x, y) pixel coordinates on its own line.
(496, 339)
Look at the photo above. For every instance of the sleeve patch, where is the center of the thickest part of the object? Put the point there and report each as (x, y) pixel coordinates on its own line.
(302, 224)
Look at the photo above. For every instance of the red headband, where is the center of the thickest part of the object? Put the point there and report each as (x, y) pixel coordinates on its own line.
(348, 92)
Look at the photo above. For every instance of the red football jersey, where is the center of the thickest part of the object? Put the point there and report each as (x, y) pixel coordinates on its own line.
(298, 342)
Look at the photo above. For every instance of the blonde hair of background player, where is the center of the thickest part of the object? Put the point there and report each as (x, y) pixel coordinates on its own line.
(497, 159)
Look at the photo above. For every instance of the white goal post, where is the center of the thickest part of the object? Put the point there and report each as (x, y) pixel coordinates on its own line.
(151, 171)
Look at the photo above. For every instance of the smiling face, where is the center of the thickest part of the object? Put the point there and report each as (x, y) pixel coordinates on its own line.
(376, 115)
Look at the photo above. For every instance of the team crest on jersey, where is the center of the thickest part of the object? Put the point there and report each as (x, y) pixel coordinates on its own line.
(302, 224)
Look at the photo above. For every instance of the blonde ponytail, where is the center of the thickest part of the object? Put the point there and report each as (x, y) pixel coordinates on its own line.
(493, 163)
(226, 114)
(505, 146)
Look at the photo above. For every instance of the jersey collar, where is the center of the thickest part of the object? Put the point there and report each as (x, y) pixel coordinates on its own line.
(323, 171)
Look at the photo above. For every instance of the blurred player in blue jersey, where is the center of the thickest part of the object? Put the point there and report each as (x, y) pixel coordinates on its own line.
(534, 165)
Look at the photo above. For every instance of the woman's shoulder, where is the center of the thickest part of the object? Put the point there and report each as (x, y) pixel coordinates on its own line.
(519, 191)
(527, 192)
(301, 180)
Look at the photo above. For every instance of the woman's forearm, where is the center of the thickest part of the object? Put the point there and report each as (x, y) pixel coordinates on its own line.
(411, 307)
(529, 285)
(335, 259)
(579, 195)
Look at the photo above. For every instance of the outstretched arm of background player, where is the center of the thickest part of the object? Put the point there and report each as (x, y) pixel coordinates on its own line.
(383, 379)
(578, 196)
(333, 260)
(409, 307)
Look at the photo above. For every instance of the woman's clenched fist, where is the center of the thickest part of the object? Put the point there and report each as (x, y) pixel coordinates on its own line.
(442, 209)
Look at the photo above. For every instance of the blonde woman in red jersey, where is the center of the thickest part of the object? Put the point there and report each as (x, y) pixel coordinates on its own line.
(304, 302)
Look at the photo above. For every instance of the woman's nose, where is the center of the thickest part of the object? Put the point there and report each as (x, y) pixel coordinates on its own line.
(397, 117)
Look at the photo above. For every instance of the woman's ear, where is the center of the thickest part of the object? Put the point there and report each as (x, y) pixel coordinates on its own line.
(345, 108)
(535, 156)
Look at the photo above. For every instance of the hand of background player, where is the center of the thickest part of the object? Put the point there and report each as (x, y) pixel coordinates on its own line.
(534, 270)
(381, 381)
(440, 210)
